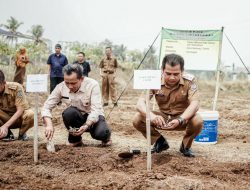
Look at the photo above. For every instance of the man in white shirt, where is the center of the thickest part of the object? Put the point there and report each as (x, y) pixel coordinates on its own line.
(84, 113)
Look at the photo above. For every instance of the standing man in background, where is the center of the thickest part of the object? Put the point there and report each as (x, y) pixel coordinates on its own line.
(108, 66)
(56, 62)
(85, 65)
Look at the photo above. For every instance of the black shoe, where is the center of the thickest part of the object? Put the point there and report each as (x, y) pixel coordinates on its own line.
(186, 151)
(105, 104)
(9, 137)
(115, 104)
(23, 137)
(160, 145)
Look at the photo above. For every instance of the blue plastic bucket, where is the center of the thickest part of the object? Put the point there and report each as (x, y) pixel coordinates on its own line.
(209, 132)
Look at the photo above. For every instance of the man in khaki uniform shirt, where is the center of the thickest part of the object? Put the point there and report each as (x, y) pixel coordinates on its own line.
(14, 110)
(178, 102)
(108, 66)
(82, 96)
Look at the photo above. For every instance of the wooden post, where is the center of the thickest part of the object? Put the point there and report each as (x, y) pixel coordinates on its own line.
(36, 130)
(148, 129)
(218, 75)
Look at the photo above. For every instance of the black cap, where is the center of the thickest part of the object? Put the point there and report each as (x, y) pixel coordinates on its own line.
(58, 46)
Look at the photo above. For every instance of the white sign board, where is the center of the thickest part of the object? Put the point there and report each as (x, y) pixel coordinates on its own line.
(147, 79)
(37, 83)
(199, 48)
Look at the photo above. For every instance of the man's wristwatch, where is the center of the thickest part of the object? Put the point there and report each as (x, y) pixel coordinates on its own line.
(181, 120)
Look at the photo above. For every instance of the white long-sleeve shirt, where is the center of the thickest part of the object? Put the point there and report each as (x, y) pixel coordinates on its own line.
(87, 99)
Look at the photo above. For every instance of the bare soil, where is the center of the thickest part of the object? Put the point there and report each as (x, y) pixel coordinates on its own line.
(225, 165)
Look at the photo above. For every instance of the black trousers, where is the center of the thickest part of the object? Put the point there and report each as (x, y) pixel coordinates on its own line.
(72, 117)
(55, 81)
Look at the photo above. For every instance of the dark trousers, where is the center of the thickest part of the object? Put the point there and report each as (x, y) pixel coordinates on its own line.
(54, 81)
(72, 117)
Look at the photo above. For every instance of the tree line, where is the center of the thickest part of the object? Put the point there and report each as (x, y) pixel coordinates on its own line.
(39, 48)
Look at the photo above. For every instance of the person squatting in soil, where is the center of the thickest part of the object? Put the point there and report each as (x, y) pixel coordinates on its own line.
(178, 102)
(84, 112)
(21, 61)
(14, 110)
(108, 66)
(56, 62)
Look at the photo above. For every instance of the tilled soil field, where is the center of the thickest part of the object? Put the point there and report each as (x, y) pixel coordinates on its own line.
(225, 165)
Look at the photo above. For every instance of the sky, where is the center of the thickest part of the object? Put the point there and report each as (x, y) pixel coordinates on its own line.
(134, 23)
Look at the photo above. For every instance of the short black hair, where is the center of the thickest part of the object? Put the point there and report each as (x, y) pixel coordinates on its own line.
(58, 46)
(108, 47)
(80, 52)
(173, 60)
(73, 68)
(2, 77)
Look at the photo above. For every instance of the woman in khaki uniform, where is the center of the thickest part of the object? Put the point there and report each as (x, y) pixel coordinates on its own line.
(21, 62)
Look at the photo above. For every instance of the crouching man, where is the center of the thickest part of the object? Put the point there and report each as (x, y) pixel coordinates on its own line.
(84, 112)
(14, 110)
(178, 102)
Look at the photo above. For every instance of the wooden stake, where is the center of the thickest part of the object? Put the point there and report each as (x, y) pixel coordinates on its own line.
(148, 129)
(218, 75)
(36, 130)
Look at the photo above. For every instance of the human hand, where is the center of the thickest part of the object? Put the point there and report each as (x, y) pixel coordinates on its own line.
(80, 131)
(172, 124)
(158, 120)
(3, 132)
(49, 132)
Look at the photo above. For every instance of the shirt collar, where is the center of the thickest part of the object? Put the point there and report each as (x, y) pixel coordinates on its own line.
(82, 89)
(58, 55)
(6, 89)
(109, 58)
(180, 82)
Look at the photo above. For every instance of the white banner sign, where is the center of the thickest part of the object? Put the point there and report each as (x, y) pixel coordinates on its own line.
(37, 83)
(199, 48)
(147, 79)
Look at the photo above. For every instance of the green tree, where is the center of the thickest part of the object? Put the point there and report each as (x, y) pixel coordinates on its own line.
(120, 51)
(6, 52)
(134, 56)
(106, 43)
(12, 25)
(37, 33)
(5, 49)
(150, 61)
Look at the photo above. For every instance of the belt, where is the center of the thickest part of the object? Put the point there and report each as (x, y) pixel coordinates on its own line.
(109, 72)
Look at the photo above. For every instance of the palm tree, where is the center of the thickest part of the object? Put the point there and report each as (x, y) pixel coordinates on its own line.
(12, 25)
(37, 33)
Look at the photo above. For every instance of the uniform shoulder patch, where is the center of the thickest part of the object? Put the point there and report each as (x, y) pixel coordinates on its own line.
(188, 76)
(19, 93)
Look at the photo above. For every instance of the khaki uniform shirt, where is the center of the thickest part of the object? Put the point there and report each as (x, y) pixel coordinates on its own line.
(87, 99)
(174, 101)
(13, 97)
(108, 64)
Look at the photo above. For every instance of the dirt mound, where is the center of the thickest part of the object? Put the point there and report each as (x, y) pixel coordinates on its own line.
(93, 167)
